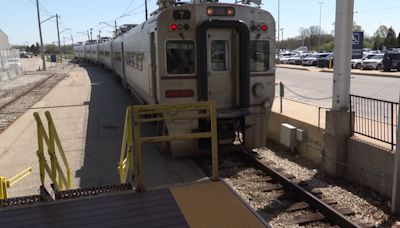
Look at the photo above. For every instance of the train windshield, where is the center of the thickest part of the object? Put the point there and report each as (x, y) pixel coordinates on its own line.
(180, 57)
(259, 56)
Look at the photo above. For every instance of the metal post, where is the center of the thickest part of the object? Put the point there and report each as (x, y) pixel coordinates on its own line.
(58, 35)
(145, 7)
(41, 37)
(396, 174)
(281, 94)
(279, 27)
(72, 40)
(392, 124)
(320, 29)
(115, 28)
(343, 51)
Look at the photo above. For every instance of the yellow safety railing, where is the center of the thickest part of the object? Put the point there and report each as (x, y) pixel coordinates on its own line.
(59, 180)
(126, 158)
(145, 114)
(4, 183)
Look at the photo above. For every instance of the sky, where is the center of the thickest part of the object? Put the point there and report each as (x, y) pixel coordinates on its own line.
(18, 18)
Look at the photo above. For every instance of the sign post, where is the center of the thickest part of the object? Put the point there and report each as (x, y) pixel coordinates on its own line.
(358, 44)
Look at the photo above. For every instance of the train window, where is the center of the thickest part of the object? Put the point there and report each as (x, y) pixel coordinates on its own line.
(219, 49)
(180, 57)
(259, 56)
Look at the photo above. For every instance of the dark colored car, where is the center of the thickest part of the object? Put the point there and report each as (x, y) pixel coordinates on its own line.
(391, 61)
(323, 60)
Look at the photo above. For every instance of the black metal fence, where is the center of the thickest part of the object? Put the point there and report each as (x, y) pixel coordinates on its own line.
(374, 118)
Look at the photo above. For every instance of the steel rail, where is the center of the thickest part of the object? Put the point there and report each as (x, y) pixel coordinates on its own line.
(26, 92)
(330, 214)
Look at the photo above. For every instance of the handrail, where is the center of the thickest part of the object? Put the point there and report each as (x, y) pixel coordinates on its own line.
(4, 183)
(126, 149)
(143, 114)
(59, 180)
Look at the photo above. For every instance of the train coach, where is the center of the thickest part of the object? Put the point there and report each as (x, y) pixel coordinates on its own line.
(203, 51)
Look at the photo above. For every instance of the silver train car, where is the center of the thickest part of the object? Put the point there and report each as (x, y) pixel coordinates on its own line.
(198, 52)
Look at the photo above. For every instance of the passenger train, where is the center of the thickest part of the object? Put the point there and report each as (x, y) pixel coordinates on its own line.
(199, 51)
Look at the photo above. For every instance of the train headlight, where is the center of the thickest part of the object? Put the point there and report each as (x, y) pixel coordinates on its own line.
(259, 90)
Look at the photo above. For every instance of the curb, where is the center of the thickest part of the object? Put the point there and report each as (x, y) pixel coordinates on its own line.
(354, 73)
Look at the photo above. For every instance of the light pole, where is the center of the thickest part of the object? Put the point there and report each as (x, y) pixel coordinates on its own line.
(41, 37)
(282, 34)
(320, 25)
(279, 27)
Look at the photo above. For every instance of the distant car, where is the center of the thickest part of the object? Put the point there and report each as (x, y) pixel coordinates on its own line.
(391, 61)
(374, 63)
(310, 60)
(356, 63)
(284, 58)
(295, 59)
(323, 60)
(14, 62)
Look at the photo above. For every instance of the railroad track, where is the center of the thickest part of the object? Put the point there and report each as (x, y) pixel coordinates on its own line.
(19, 104)
(290, 201)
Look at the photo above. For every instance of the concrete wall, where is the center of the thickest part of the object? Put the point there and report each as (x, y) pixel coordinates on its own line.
(311, 148)
(370, 166)
(4, 43)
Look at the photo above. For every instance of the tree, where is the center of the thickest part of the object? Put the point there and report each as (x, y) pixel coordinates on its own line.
(398, 40)
(379, 36)
(357, 28)
(390, 39)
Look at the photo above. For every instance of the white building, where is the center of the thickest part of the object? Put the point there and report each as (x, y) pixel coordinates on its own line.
(4, 43)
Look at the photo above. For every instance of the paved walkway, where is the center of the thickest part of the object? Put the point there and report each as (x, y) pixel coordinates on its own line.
(353, 71)
(316, 116)
(88, 108)
(301, 111)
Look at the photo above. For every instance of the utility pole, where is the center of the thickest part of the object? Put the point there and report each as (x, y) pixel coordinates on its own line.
(59, 43)
(91, 33)
(72, 40)
(88, 36)
(279, 27)
(116, 28)
(320, 26)
(99, 34)
(145, 7)
(41, 37)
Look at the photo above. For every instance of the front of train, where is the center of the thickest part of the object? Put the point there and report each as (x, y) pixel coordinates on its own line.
(228, 52)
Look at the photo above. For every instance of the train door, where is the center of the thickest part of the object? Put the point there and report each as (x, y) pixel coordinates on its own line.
(222, 64)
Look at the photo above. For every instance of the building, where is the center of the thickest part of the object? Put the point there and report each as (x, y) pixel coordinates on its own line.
(4, 43)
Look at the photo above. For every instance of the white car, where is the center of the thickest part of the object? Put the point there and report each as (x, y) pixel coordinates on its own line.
(356, 63)
(13, 63)
(374, 63)
(284, 58)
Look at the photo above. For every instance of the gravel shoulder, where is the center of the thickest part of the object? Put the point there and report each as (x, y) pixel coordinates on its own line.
(369, 207)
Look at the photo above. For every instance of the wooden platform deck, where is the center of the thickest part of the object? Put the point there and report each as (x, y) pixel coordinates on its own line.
(209, 204)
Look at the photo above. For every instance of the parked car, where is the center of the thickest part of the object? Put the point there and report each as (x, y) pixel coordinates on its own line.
(323, 60)
(284, 58)
(374, 63)
(295, 59)
(14, 63)
(356, 63)
(391, 61)
(310, 60)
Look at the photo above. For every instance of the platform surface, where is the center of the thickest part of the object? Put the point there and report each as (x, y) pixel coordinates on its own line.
(213, 205)
(204, 204)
